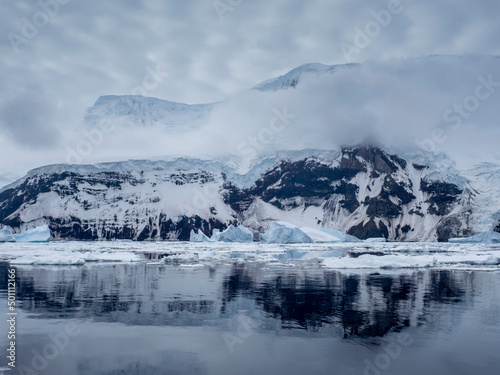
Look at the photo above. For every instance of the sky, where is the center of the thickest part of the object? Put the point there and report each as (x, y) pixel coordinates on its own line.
(57, 57)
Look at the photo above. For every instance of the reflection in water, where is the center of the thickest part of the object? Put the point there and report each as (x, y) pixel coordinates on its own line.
(355, 308)
(366, 305)
(363, 305)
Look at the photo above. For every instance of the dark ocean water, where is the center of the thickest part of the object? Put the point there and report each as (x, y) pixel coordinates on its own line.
(250, 319)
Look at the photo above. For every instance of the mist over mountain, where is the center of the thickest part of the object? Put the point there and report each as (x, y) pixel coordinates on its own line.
(432, 103)
(378, 149)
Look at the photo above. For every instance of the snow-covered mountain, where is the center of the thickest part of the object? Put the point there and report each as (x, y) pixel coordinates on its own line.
(367, 191)
(363, 191)
(146, 111)
(137, 110)
(293, 77)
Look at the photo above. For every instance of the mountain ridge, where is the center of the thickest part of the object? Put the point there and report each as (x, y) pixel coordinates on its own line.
(364, 191)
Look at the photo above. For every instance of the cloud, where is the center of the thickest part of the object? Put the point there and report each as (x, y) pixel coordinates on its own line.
(400, 104)
(28, 120)
(95, 48)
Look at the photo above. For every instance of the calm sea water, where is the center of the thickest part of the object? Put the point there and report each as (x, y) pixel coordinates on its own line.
(252, 319)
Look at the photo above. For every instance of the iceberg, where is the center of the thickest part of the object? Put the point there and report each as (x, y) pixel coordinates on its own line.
(198, 237)
(215, 235)
(38, 234)
(281, 232)
(486, 237)
(318, 235)
(342, 236)
(6, 235)
(233, 234)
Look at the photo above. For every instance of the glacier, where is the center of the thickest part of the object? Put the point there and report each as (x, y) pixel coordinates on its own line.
(486, 238)
(38, 234)
(6, 235)
(285, 233)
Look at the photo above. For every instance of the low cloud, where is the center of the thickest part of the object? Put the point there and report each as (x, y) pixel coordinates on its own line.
(28, 120)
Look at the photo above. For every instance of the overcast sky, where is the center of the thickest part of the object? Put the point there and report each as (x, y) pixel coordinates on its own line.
(203, 51)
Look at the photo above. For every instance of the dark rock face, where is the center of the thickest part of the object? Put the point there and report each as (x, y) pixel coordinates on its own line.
(239, 200)
(452, 227)
(181, 229)
(28, 192)
(367, 190)
(305, 178)
(383, 206)
(381, 162)
(441, 196)
(497, 229)
(369, 230)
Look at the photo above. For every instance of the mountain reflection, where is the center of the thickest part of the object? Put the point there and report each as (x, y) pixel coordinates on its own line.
(363, 305)
(368, 304)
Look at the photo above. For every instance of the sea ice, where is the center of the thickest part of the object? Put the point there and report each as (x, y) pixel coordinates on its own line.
(6, 235)
(487, 237)
(281, 232)
(38, 234)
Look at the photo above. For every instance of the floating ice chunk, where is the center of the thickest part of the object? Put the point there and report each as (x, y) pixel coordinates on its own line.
(342, 236)
(198, 237)
(38, 234)
(234, 234)
(281, 232)
(6, 235)
(487, 237)
(375, 240)
(320, 236)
